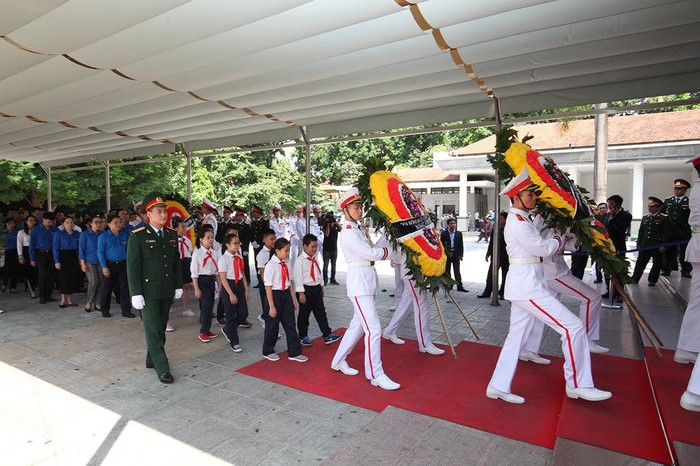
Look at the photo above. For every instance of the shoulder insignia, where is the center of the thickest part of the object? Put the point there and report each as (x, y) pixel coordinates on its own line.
(519, 217)
(669, 198)
(664, 215)
(137, 230)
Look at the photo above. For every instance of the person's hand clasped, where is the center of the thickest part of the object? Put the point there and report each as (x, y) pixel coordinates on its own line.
(138, 302)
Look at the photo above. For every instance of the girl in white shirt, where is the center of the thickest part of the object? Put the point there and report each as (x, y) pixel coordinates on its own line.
(280, 296)
(205, 276)
(235, 294)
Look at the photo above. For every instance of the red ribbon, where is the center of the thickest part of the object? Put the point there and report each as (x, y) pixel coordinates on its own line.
(238, 266)
(313, 262)
(285, 274)
(182, 248)
(207, 257)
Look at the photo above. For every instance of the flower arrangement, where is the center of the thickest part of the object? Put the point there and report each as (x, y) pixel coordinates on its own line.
(561, 202)
(394, 207)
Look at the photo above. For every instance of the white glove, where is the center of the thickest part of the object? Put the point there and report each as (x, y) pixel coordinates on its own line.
(255, 244)
(137, 302)
(178, 293)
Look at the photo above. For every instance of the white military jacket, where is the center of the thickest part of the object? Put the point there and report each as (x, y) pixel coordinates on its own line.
(525, 247)
(692, 253)
(359, 252)
(554, 265)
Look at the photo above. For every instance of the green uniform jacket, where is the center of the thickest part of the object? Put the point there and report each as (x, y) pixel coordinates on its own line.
(678, 214)
(153, 263)
(653, 230)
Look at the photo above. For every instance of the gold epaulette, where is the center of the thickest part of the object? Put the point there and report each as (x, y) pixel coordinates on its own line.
(137, 230)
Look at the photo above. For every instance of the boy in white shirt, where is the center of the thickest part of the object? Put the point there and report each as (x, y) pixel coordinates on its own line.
(205, 275)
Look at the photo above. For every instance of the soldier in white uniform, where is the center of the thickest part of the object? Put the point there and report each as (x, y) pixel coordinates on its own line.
(412, 297)
(275, 221)
(689, 338)
(560, 280)
(531, 301)
(362, 284)
(294, 238)
(316, 226)
(210, 214)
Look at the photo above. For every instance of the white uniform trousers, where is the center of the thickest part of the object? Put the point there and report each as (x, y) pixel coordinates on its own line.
(364, 320)
(694, 383)
(689, 338)
(417, 299)
(524, 317)
(591, 301)
(295, 250)
(398, 281)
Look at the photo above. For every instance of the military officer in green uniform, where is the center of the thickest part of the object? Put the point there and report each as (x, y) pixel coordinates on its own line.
(678, 210)
(246, 235)
(653, 230)
(155, 278)
(258, 225)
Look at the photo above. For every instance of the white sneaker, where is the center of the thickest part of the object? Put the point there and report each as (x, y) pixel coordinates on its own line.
(496, 394)
(344, 368)
(394, 339)
(261, 320)
(685, 357)
(298, 358)
(588, 394)
(272, 357)
(594, 347)
(188, 313)
(236, 348)
(432, 349)
(690, 401)
(169, 327)
(532, 357)
(385, 383)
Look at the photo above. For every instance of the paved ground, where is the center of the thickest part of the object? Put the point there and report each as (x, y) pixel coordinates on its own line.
(74, 391)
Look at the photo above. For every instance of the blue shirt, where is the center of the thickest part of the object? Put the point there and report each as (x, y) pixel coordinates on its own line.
(40, 237)
(11, 240)
(111, 247)
(62, 241)
(88, 246)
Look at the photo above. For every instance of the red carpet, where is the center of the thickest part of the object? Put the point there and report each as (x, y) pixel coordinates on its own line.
(437, 386)
(670, 381)
(628, 422)
(453, 390)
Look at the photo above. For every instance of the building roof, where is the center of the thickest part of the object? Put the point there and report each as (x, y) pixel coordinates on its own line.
(412, 175)
(85, 81)
(622, 130)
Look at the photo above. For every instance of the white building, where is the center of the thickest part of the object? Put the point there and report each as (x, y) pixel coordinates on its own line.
(645, 154)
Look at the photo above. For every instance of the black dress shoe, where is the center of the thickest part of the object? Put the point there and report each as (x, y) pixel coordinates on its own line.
(598, 280)
(166, 377)
(605, 295)
(149, 365)
(106, 314)
(129, 315)
(500, 296)
(483, 295)
(686, 275)
(333, 282)
(462, 290)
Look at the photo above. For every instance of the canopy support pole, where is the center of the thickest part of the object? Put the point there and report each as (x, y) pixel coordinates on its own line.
(47, 170)
(188, 154)
(495, 250)
(307, 143)
(108, 186)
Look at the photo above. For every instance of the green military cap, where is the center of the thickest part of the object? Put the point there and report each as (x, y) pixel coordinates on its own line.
(681, 183)
(153, 199)
(654, 201)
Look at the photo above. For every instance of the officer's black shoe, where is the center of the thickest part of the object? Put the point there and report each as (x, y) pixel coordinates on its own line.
(483, 295)
(459, 288)
(149, 365)
(106, 314)
(166, 377)
(129, 315)
(605, 295)
(686, 275)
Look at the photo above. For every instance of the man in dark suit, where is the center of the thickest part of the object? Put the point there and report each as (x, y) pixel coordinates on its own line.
(452, 240)
(618, 222)
(504, 264)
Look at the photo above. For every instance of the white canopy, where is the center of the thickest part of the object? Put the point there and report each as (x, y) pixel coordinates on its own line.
(100, 79)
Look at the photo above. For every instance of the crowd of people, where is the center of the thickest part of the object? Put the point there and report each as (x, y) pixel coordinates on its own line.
(119, 255)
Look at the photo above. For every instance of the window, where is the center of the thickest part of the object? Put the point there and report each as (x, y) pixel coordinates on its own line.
(419, 190)
(478, 191)
(450, 190)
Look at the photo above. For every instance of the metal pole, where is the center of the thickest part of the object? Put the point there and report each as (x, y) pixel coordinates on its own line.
(600, 160)
(108, 187)
(189, 176)
(49, 200)
(495, 253)
(307, 143)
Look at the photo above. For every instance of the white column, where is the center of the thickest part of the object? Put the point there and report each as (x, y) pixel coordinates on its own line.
(462, 207)
(638, 201)
(573, 174)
